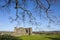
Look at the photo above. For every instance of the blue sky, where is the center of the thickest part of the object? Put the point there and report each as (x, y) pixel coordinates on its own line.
(6, 25)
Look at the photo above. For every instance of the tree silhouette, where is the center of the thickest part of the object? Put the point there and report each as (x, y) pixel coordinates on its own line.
(22, 6)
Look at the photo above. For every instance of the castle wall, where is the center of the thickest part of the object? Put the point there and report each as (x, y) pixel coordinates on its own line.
(23, 31)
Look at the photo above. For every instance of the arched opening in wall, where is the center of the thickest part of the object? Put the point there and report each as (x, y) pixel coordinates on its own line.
(27, 30)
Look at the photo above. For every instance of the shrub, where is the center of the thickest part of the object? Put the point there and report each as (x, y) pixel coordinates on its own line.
(8, 37)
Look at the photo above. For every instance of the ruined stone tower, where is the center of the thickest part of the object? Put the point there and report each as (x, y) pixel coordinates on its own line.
(22, 31)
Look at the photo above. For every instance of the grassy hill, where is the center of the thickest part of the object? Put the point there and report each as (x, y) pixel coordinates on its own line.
(41, 37)
(31, 37)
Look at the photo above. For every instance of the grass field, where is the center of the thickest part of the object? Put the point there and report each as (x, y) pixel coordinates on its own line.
(41, 37)
(31, 37)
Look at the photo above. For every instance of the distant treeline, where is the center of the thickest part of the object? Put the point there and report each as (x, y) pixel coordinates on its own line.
(47, 32)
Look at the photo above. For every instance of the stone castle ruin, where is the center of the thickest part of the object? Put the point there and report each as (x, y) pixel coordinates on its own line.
(23, 31)
(18, 31)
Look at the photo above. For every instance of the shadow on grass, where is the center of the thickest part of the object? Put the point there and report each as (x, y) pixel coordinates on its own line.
(53, 38)
(9, 37)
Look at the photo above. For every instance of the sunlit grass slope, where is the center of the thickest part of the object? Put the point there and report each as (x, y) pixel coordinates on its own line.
(40, 37)
(31, 37)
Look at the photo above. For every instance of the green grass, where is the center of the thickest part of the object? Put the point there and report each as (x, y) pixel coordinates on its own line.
(34, 37)
(40, 37)
(31, 37)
